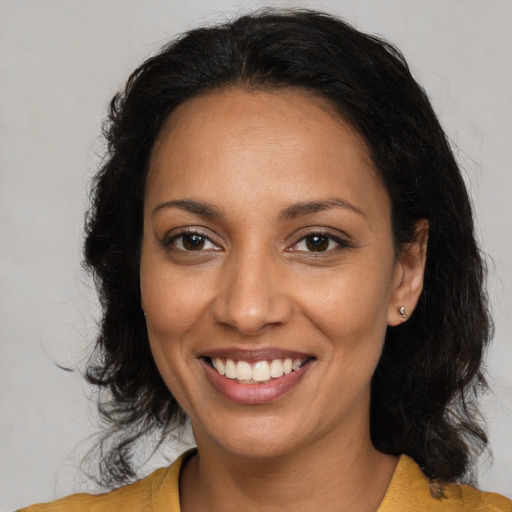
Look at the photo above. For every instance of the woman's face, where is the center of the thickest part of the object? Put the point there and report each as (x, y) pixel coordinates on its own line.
(268, 271)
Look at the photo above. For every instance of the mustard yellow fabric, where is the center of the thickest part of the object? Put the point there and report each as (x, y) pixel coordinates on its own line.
(158, 492)
(409, 491)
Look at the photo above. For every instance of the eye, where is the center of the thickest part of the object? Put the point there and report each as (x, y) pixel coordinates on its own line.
(318, 242)
(191, 242)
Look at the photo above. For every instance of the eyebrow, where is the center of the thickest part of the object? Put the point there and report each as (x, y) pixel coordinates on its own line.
(208, 210)
(201, 208)
(299, 209)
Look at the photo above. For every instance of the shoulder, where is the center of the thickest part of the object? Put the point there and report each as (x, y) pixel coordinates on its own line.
(137, 494)
(157, 492)
(479, 501)
(410, 489)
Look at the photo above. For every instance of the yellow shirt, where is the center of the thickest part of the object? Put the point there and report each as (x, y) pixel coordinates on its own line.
(409, 491)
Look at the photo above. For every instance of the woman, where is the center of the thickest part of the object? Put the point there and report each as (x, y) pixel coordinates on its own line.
(285, 254)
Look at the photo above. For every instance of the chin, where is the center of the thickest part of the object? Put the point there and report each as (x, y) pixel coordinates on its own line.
(256, 437)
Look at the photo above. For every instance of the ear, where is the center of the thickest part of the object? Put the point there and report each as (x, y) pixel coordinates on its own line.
(408, 280)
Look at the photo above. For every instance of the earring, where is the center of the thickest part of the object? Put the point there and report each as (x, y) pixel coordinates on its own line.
(402, 311)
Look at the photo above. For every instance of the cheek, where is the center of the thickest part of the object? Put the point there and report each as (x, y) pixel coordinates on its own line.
(174, 299)
(350, 308)
(174, 304)
(349, 299)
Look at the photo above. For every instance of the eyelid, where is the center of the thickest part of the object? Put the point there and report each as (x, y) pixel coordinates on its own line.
(168, 239)
(342, 240)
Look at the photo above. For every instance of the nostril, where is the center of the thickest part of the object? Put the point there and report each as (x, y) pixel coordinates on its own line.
(252, 311)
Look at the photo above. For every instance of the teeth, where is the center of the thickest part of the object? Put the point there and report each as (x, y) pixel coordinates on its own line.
(218, 365)
(230, 369)
(276, 368)
(261, 371)
(243, 371)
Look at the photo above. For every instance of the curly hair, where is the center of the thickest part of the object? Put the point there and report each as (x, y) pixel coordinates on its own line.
(424, 390)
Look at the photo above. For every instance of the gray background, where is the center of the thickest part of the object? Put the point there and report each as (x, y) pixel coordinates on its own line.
(60, 62)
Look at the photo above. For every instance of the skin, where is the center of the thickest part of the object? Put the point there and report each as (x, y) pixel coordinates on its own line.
(255, 284)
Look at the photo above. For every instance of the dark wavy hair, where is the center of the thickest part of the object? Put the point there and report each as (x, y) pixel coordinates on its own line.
(425, 387)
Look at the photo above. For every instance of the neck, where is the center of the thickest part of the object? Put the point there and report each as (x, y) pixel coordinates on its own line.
(346, 475)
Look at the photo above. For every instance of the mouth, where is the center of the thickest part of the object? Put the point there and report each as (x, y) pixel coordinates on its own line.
(255, 378)
(257, 372)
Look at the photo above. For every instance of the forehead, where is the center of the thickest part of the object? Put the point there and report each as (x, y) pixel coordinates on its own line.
(241, 111)
(285, 144)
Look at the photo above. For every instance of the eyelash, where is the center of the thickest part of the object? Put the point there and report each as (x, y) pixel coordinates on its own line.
(331, 239)
(171, 242)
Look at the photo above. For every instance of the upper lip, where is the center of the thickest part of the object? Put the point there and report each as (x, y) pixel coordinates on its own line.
(254, 354)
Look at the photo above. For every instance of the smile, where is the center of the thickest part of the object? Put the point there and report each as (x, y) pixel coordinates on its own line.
(258, 372)
(255, 377)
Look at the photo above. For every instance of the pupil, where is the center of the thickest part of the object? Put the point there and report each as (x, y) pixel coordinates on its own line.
(317, 243)
(193, 242)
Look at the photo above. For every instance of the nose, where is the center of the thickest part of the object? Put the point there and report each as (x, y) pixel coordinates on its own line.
(252, 295)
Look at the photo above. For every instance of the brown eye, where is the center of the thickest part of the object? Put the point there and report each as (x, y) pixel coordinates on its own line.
(193, 242)
(317, 243)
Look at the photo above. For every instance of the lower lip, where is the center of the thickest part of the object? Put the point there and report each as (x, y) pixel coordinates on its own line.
(253, 394)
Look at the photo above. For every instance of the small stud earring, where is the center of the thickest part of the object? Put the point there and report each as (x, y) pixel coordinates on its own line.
(402, 311)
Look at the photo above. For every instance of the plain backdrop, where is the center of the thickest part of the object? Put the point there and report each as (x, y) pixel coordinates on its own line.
(60, 62)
